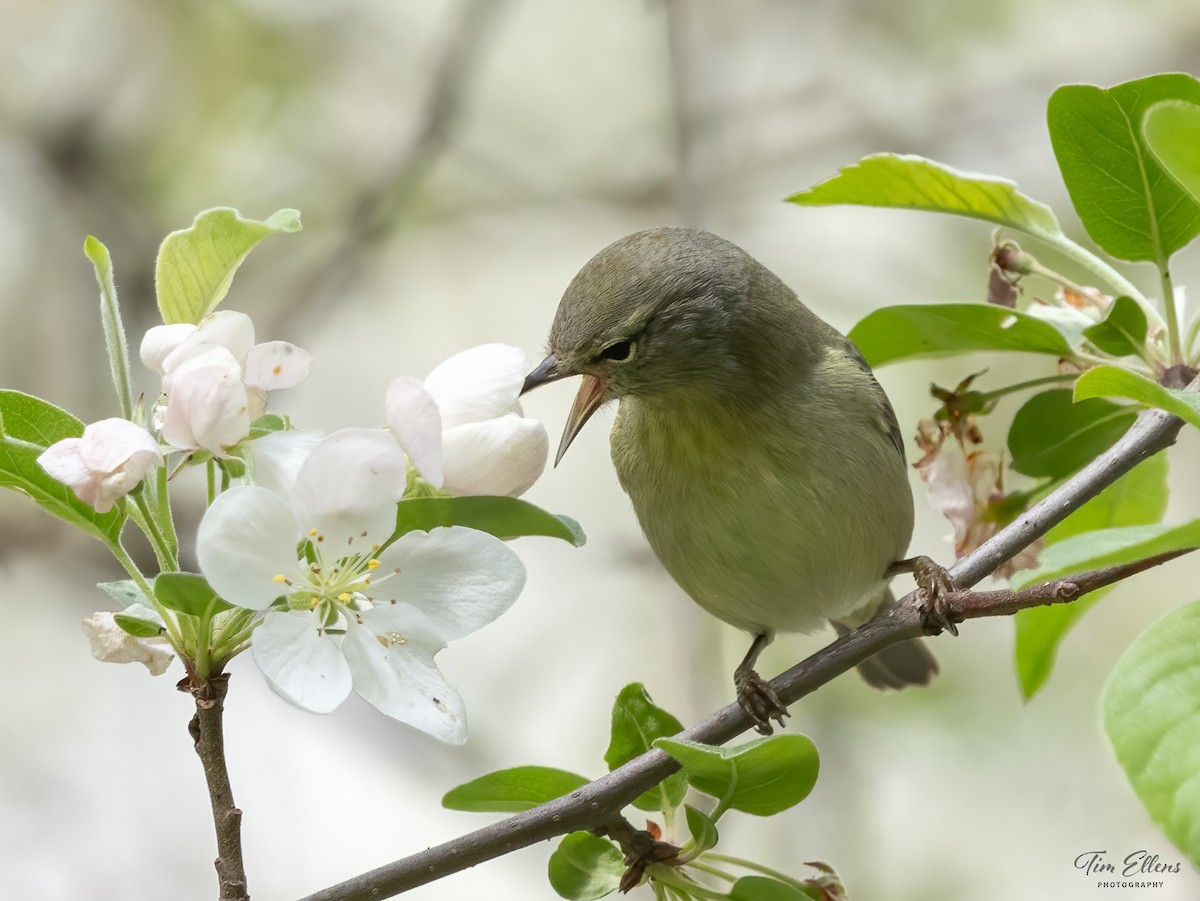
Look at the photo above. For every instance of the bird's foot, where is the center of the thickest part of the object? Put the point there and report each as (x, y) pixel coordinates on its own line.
(933, 581)
(758, 699)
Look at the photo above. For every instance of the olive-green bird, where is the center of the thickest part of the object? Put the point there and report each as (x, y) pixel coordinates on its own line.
(763, 459)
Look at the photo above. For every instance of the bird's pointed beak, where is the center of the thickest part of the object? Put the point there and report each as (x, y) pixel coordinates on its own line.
(588, 400)
(549, 370)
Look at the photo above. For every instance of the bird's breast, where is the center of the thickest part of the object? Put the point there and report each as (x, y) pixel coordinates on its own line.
(773, 518)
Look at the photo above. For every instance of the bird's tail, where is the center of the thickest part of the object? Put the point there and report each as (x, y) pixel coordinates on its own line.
(898, 665)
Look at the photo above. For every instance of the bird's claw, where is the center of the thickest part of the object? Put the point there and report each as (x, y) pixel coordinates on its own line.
(934, 584)
(758, 699)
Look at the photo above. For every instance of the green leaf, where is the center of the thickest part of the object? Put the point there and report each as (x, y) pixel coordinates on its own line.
(1113, 381)
(1138, 498)
(584, 867)
(196, 265)
(1152, 717)
(928, 330)
(268, 423)
(125, 592)
(636, 723)
(915, 183)
(1108, 547)
(29, 425)
(110, 319)
(760, 777)
(137, 627)
(188, 593)
(1052, 436)
(513, 790)
(1128, 205)
(504, 517)
(763, 888)
(1171, 129)
(1123, 331)
(703, 830)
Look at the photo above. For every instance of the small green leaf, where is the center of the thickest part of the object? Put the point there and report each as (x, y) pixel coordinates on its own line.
(29, 425)
(504, 517)
(1052, 436)
(1128, 205)
(125, 592)
(929, 330)
(703, 830)
(512, 790)
(196, 265)
(1136, 499)
(636, 723)
(110, 319)
(1171, 129)
(137, 627)
(760, 777)
(1152, 718)
(1113, 381)
(1123, 331)
(763, 888)
(915, 183)
(1108, 547)
(584, 867)
(188, 593)
(267, 423)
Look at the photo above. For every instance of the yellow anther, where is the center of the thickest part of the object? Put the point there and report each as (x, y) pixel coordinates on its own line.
(279, 577)
(312, 533)
(345, 597)
(314, 600)
(373, 564)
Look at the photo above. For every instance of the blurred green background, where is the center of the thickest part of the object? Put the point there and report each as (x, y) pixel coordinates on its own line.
(455, 164)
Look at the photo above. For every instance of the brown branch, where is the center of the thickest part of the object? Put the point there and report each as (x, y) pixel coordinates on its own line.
(597, 805)
(599, 802)
(207, 731)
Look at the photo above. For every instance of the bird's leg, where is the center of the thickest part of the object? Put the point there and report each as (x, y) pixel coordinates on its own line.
(934, 583)
(755, 695)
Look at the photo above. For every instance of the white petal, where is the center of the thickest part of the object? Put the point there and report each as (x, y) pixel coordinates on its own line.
(413, 416)
(229, 329)
(277, 456)
(302, 663)
(247, 538)
(402, 680)
(63, 460)
(117, 443)
(112, 644)
(461, 579)
(276, 364)
(501, 456)
(160, 341)
(206, 402)
(350, 484)
(477, 384)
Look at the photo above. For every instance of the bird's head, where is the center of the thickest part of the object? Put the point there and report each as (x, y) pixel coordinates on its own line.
(656, 315)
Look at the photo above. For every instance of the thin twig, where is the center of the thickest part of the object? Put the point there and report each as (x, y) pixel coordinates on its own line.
(599, 801)
(207, 731)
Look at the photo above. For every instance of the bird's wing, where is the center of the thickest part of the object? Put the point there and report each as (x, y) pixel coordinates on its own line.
(890, 422)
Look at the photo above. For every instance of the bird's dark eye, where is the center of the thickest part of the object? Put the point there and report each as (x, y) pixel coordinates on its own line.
(617, 351)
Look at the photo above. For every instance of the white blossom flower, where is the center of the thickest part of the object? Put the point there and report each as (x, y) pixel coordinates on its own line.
(106, 463)
(464, 428)
(355, 615)
(216, 379)
(112, 644)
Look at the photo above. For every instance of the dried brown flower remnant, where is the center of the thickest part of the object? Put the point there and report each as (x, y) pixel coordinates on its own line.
(968, 489)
